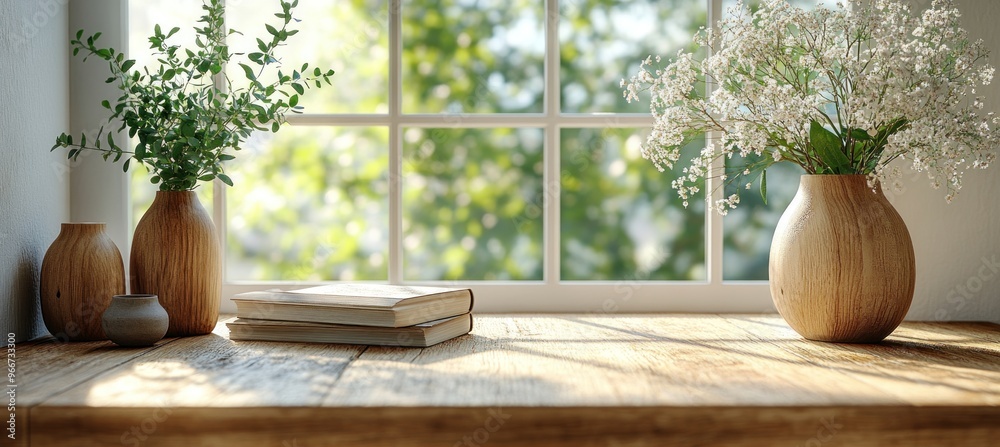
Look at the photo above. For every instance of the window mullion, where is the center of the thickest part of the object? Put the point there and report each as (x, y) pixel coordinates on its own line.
(551, 176)
(395, 266)
(468, 120)
(219, 188)
(714, 186)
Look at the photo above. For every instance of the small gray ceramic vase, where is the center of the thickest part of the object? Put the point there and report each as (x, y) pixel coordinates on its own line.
(135, 320)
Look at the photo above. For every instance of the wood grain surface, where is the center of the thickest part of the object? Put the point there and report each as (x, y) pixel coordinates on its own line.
(841, 265)
(552, 380)
(176, 256)
(81, 271)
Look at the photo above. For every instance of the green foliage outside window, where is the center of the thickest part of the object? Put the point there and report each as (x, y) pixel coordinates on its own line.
(311, 202)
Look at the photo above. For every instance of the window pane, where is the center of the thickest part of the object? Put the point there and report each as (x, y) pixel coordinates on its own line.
(472, 204)
(603, 41)
(143, 17)
(748, 228)
(466, 56)
(619, 217)
(310, 203)
(805, 4)
(351, 37)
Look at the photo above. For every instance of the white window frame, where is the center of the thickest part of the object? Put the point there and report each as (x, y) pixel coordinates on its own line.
(550, 294)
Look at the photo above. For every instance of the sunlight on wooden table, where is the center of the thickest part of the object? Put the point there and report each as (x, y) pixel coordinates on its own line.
(570, 380)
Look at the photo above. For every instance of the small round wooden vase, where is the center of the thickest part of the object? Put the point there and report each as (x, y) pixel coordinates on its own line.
(176, 256)
(81, 271)
(842, 267)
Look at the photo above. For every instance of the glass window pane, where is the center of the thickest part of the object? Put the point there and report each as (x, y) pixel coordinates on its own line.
(468, 56)
(603, 41)
(805, 4)
(747, 230)
(310, 203)
(143, 17)
(619, 218)
(472, 204)
(351, 37)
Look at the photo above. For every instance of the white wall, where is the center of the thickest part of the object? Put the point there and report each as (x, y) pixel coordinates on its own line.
(957, 246)
(92, 176)
(34, 183)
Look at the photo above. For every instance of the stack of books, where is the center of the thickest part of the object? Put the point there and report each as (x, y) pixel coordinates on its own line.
(363, 314)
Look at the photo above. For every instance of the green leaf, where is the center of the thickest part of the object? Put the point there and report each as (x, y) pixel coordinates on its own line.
(275, 126)
(827, 146)
(260, 110)
(128, 64)
(298, 88)
(106, 104)
(188, 131)
(169, 74)
(248, 72)
(763, 186)
(125, 165)
(225, 179)
(860, 135)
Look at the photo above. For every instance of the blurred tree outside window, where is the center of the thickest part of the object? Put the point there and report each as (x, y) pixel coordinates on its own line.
(476, 127)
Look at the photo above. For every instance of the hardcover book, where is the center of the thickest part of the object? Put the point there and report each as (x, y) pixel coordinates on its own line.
(356, 304)
(421, 335)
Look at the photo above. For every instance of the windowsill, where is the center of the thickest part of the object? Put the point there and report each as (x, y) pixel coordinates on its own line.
(557, 379)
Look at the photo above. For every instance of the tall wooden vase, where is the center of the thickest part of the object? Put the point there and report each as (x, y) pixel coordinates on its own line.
(176, 256)
(81, 271)
(842, 266)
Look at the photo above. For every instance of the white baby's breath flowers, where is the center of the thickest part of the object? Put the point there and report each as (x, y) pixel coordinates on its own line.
(835, 90)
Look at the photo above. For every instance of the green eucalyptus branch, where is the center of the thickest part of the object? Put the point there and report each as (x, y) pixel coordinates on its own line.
(185, 126)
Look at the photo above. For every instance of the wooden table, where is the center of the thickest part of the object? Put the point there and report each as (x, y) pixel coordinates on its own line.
(522, 380)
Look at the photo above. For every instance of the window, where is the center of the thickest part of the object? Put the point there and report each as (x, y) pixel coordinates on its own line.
(482, 143)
